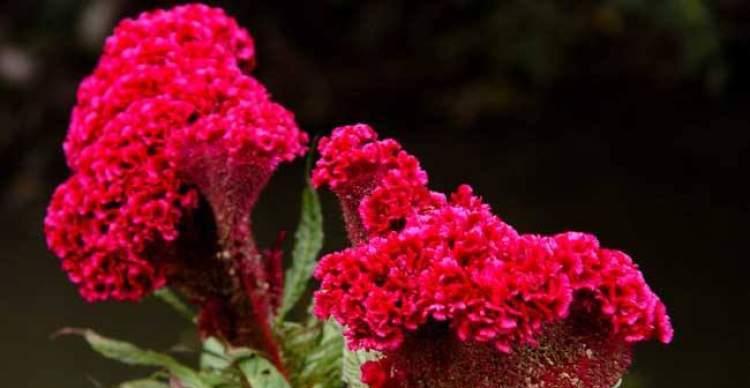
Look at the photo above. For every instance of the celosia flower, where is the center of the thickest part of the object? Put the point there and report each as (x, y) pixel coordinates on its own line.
(378, 184)
(191, 53)
(169, 112)
(455, 296)
(112, 223)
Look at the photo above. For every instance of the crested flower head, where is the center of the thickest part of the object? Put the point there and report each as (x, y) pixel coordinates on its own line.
(454, 282)
(378, 184)
(122, 207)
(191, 53)
(169, 111)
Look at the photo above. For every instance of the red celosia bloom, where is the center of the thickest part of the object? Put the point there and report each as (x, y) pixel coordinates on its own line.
(116, 217)
(192, 53)
(452, 284)
(169, 112)
(379, 374)
(377, 182)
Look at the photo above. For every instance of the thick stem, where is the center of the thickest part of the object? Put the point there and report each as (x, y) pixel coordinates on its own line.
(258, 295)
(242, 309)
(247, 273)
(350, 200)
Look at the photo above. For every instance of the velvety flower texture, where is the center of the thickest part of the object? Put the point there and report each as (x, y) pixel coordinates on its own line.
(377, 182)
(169, 115)
(452, 295)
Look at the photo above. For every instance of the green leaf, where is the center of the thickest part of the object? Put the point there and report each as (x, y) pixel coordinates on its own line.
(312, 353)
(221, 379)
(144, 383)
(128, 353)
(307, 243)
(212, 356)
(259, 372)
(168, 296)
(227, 366)
(323, 364)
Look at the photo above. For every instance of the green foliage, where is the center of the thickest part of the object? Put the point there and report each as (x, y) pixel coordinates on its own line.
(237, 366)
(221, 366)
(259, 372)
(130, 354)
(144, 383)
(323, 364)
(167, 296)
(308, 240)
(213, 357)
(313, 351)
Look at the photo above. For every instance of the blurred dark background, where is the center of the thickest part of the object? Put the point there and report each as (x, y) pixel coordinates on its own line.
(627, 118)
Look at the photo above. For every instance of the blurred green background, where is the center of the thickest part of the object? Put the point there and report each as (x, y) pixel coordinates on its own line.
(627, 118)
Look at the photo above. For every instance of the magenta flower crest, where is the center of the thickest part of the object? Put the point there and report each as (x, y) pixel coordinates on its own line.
(377, 182)
(455, 278)
(169, 118)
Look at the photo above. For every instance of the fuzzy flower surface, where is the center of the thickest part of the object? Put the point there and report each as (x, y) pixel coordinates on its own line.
(378, 183)
(171, 94)
(423, 263)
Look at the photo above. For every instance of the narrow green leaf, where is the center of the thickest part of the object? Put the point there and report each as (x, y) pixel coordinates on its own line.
(168, 296)
(128, 353)
(307, 243)
(312, 353)
(229, 367)
(259, 372)
(221, 379)
(144, 383)
(212, 356)
(323, 364)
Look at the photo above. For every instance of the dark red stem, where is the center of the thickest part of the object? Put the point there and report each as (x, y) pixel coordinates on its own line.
(248, 273)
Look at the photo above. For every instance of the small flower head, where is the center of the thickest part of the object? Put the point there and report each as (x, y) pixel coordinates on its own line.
(379, 184)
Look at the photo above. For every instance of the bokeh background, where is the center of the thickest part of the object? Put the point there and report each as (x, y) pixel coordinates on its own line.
(627, 118)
